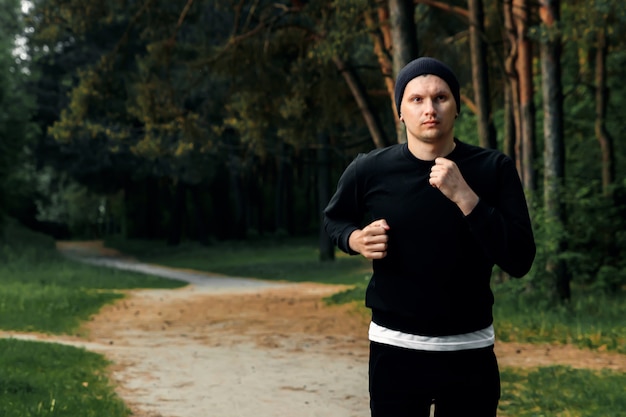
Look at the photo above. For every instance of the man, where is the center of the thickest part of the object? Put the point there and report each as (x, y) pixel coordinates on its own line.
(442, 214)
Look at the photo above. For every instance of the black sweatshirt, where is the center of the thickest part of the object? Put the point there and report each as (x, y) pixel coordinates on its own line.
(435, 279)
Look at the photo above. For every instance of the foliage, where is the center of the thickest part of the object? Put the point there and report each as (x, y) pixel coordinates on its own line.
(593, 254)
(15, 103)
(45, 379)
(557, 391)
(593, 237)
(203, 117)
(176, 98)
(61, 200)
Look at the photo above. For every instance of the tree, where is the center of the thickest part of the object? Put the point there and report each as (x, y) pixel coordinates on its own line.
(404, 42)
(519, 93)
(377, 24)
(601, 98)
(525, 144)
(327, 248)
(360, 96)
(512, 113)
(480, 75)
(16, 104)
(554, 148)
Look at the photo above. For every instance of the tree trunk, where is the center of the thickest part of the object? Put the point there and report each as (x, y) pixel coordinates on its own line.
(606, 146)
(360, 96)
(526, 92)
(508, 134)
(177, 214)
(260, 201)
(327, 249)
(381, 38)
(288, 178)
(255, 211)
(235, 171)
(480, 75)
(202, 231)
(403, 41)
(513, 85)
(148, 198)
(602, 134)
(282, 198)
(279, 212)
(554, 148)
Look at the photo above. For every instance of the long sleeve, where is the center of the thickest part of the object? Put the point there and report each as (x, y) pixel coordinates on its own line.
(344, 212)
(503, 228)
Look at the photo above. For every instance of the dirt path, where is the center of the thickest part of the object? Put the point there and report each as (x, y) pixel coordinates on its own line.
(263, 350)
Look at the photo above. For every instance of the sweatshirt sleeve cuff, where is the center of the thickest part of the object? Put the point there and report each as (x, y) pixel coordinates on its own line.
(479, 217)
(344, 244)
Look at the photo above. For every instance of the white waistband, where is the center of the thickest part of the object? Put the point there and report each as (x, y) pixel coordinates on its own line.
(474, 340)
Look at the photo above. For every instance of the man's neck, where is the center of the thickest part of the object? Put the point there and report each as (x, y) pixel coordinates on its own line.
(429, 151)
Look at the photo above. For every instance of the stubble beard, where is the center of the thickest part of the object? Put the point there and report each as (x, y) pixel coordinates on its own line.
(431, 135)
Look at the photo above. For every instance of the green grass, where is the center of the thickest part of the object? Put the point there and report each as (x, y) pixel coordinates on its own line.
(42, 379)
(559, 391)
(48, 308)
(295, 260)
(590, 320)
(55, 295)
(43, 292)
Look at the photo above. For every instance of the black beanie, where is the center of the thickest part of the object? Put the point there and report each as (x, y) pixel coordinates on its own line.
(422, 66)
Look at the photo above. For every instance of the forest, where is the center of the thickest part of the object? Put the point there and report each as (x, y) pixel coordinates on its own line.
(215, 120)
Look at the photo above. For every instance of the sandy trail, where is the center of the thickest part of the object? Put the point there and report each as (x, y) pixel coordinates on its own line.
(254, 350)
(188, 353)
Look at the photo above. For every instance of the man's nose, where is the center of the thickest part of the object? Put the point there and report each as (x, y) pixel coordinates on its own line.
(429, 106)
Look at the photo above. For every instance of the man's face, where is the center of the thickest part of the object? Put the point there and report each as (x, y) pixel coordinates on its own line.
(428, 109)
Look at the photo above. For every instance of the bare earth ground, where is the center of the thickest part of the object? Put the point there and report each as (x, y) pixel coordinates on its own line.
(218, 348)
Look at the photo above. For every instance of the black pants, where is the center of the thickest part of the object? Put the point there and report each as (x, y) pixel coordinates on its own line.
(405, 382)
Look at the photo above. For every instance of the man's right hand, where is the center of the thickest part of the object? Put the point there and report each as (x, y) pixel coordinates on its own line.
(371, 241)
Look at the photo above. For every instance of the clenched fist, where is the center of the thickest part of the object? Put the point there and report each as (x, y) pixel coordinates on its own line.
(371, 241)
(446, 177)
